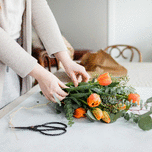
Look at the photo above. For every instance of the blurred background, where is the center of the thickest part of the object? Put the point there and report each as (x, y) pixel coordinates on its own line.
(96, 24)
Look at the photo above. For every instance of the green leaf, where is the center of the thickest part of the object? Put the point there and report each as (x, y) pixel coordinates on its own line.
(136, 119)
(57, 100)
(70, 123)
(126, 116)
(114, 117)
(68, 109)
(70, 84)
(97, 90)
(79, 95)
(141, 104)
(83, 83)
(75, 106)
(145, 114)
(93, 80)
(57, 108)
(41, 93)
(79, 88)
(146, 106)
(113, 84)
(149, 100)
(128, 105)
(145, 123)
(75, 100)
(90, 116)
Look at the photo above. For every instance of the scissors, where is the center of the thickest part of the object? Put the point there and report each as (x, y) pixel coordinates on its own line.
(47, 128)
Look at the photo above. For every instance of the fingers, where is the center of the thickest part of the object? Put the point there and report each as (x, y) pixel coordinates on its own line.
(85, 75)
(74, 79)
(59, 97)
(46, 96)
(61, 92)
(51, 97)
(62, 85)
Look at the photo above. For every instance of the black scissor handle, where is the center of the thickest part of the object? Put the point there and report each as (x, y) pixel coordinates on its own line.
(55, 123)
(47, 127)
(54, 134)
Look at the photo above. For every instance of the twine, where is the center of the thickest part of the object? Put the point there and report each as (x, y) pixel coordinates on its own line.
(26, 108)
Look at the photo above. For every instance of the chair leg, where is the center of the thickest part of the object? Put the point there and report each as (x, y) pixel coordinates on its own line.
(57, 61)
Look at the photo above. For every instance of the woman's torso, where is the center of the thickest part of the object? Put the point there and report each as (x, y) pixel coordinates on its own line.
(10, 20)
(11, 16)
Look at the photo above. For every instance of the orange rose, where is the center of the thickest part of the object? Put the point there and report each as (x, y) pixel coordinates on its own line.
(104, 79)
(134, 98)
(94, 100)
(97, 113)
(79, 112)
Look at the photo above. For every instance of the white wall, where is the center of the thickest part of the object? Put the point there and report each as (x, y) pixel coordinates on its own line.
(130, 22)
(82, 22)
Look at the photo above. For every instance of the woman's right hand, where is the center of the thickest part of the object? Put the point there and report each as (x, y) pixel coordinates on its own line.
(48, 83)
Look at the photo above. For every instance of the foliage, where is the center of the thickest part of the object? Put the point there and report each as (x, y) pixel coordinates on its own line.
(144, 121)
(110, 96)
(114, 102)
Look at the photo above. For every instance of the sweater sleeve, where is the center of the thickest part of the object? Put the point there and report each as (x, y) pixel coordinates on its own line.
(46, 27)
(14, 56)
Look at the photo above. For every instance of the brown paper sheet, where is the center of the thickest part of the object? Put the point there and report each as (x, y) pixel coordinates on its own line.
(101, 62)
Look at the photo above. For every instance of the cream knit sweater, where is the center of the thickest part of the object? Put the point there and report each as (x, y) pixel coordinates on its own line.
(38, 13)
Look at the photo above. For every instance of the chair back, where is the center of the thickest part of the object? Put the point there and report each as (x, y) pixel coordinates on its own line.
(121, 49)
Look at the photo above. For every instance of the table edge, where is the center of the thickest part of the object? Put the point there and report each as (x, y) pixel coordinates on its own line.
(17, 101)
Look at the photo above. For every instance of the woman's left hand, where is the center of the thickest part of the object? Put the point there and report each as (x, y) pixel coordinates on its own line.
(76, 72)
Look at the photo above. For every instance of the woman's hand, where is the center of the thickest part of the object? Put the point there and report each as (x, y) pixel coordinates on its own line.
(74, 70)
(49, 83)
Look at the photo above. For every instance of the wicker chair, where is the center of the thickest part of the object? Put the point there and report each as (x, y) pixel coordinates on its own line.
(121, 48)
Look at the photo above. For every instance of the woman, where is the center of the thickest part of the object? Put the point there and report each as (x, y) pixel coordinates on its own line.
(15, 25)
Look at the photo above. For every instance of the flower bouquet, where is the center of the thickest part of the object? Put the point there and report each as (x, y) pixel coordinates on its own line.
(104, 99)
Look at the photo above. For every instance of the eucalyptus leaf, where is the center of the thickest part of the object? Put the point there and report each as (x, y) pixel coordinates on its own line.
(136, 119)
(114, 117)
(149, 100)
(145, 114)
(127, 116)
(146, 106)
(145, 123)
(57, 100)
(141, 104)
(90, 116)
